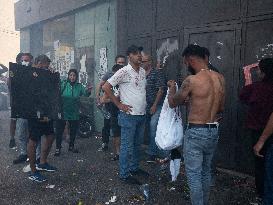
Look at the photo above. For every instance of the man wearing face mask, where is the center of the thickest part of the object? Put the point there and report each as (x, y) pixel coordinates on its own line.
(21, 127)
(206, 93)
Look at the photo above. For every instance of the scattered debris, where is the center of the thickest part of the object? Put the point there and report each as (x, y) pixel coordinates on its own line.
(112, 200)
(80, 160)
(50, 186)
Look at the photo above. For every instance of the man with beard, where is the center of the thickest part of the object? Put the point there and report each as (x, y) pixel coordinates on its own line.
(205, 92)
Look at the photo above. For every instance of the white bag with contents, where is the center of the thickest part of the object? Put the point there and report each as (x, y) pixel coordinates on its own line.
(169, 133)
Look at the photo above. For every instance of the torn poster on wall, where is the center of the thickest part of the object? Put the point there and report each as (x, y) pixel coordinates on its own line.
(103, 62)
(84, 62)
(62, 58)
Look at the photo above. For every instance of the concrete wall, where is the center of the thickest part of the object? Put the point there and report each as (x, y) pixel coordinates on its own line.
(29, 12)
(95, 27)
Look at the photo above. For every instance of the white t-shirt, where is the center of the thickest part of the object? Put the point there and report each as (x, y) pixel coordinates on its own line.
(132, 85)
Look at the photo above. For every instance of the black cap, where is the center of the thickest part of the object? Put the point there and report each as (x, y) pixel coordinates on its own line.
(133, 49)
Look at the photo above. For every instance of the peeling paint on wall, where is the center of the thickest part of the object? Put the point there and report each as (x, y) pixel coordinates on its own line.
(265, 52)
(165, 49)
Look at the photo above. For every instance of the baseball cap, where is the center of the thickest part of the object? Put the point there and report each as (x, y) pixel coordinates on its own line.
(133, 49)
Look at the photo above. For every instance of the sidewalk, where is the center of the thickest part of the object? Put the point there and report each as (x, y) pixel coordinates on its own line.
(91, 178)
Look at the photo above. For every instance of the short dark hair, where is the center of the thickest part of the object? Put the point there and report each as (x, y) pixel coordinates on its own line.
(266, 66)
(116, 67)
(206, 51)
(193, 50)
(133, 49)
(119, 56)
(42, 59)
(28, 54)
(18, 57)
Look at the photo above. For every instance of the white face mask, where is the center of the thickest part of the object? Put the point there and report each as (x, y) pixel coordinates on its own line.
(25, 63)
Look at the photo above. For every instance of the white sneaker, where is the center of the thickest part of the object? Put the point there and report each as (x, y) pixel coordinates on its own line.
(26, 168)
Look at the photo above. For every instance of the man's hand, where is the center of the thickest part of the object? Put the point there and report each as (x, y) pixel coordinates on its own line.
(89, 88)
(125, 108)
(257, 148)
(153, 109)
(171, 83)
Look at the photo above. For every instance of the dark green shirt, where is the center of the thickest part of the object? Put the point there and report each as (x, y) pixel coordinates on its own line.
(71, 99)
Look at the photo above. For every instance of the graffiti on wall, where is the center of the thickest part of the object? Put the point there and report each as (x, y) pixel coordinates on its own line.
(166, 47)
(266, 51)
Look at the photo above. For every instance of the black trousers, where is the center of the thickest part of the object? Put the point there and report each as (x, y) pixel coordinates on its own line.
(106, 130)
(107, 124)
(259, 163)
(73, 127)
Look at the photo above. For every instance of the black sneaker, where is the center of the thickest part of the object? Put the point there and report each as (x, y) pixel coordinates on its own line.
(115, 157)
(74, 150)
(21, 159)
(104, 147)
(130, 180)
(45, 167)
(12, 144)
(37, 177)
(140, 172)
(152, 159)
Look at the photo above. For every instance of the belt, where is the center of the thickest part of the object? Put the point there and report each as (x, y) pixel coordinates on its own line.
(211, 125)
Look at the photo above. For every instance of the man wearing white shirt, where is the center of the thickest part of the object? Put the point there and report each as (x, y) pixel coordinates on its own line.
(131, 80)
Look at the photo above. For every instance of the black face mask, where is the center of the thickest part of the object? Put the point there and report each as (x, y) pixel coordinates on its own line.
(191, 70)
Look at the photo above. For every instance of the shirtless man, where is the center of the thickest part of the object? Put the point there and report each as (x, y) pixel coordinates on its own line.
(205, 92)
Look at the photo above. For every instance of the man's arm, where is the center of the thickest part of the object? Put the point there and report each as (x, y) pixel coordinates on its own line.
(268, 131)
(107, 88)
(179, 97)
(159, 95)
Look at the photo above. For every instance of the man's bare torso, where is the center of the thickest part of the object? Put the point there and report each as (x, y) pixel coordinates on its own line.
(206, 96)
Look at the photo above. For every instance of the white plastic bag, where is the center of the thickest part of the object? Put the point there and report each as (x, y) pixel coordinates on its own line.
(169, 133)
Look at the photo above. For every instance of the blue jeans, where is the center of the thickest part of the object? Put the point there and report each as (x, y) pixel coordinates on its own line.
(268, 180)
(199, 146)
(132, 132)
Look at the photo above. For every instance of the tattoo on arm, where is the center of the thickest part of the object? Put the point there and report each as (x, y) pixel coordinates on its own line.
(182, 94)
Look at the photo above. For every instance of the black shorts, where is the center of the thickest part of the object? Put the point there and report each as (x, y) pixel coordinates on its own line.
(37, 129)
(115, 127)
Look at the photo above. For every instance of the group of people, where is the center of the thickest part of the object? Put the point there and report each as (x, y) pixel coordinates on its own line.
(30, 131)
(133, 93)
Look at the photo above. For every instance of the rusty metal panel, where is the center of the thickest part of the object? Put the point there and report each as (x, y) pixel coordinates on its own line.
(200, 11)
(258, 7)
(139, 17)
(168, 14)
